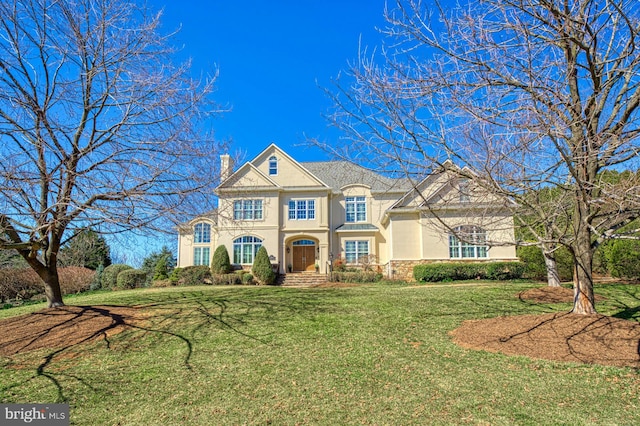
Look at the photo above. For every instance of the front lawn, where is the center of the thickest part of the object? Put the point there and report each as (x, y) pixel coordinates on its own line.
(371, 354)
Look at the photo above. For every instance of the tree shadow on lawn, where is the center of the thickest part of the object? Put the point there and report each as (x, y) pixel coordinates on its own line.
(591, 339)
(63, 332)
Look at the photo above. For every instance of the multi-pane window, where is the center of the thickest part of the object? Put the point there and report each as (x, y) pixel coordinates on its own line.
(201, 256)
(273, 166)
(354, 250)
(302, 209)
(468, 242)
(245, 249)
(247, 209)
(202, 233)
(356, 208)
(464, 187)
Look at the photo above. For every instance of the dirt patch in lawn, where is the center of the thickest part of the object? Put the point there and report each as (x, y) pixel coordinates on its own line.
(64, 327)
(591, 339)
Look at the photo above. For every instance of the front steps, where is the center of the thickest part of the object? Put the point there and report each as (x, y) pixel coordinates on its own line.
(301, 279)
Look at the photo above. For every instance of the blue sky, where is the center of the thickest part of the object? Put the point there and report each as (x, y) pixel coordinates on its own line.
(272, 57)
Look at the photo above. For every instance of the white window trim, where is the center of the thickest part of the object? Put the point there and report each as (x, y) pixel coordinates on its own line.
(242, 245)
(273, 159)
(306, 209)
(357, 250)
(457, 247)
(253, 210)
(356, 200)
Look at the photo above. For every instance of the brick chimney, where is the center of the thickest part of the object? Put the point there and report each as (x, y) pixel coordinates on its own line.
(226, 167)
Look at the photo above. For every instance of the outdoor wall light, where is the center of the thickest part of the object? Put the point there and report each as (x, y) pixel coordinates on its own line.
(288, 249)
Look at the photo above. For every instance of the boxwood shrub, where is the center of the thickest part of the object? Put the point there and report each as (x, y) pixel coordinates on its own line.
(227, 279)
(110, 274)
(131, 278)
(191, 275)
(454, 271)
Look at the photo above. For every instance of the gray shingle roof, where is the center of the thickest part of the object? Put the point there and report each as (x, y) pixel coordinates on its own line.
(338, 174)
(356, 227)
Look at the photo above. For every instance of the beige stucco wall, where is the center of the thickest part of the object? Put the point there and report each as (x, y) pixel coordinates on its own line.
(289, 173)
(186, 244)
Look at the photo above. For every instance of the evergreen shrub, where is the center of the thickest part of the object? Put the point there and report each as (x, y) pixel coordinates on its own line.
(220, 264)
(623, 258)
(110, 274)
(261, 269)
(455, 271)
(356, 277)
(535, 268)
(194, 275)
(131, 278)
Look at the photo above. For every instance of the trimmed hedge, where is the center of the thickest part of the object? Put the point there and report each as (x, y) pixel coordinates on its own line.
(191, 275)
(455, 271)
(110, 274)
(356, 277)
(131, 278)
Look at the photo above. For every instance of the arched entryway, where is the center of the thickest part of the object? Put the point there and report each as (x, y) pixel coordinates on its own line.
(303, 255)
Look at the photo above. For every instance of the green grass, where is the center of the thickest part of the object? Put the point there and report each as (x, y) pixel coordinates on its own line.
(372, 354)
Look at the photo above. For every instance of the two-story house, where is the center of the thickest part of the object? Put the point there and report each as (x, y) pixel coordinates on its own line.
(307, 214)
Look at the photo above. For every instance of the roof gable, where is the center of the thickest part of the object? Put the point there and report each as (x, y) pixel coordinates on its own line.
(289, 171)
(247, 177)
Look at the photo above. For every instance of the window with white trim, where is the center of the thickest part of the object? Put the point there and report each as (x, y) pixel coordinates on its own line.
(468, 242)
(202, 233)
(464, 186)
(273, 166)
(245, 249)
(355, 249)
(302, 209)
(247, 210)
(356, 209)
(201, 256)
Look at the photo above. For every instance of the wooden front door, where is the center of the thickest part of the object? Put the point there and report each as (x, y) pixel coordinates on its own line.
(304, 258)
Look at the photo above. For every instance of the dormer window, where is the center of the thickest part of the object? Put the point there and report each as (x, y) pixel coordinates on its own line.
(464, 187)
(273, 166)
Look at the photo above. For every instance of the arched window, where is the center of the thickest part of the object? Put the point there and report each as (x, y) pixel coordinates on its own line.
(273, 165)
(245, 249)
(202, 233)
(468, 242)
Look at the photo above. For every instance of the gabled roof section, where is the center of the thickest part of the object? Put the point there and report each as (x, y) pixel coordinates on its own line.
(428, 188)
(338, 174)
(247, 177)
(290, 173)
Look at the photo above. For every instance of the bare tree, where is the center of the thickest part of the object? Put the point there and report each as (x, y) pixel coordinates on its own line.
(98, 127)
(529, 94)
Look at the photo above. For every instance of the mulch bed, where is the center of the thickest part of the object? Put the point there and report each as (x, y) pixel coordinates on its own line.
(63, 327)
(590, 339)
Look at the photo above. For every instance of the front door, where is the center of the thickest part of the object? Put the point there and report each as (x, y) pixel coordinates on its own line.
(304, 256)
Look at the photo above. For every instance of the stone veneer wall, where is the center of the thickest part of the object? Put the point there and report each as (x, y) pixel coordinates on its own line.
(403, 269)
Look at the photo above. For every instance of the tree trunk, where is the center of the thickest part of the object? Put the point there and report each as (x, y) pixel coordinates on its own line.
(583, 298)
(52, 288)
(553, 277)
(48, 273)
